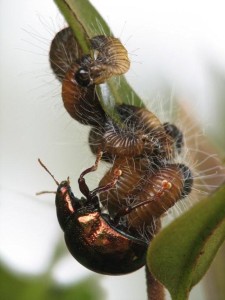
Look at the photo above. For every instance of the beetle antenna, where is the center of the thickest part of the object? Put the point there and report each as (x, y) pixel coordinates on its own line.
(108, 186)
(45, 192)
(81, 181)
(46, 169)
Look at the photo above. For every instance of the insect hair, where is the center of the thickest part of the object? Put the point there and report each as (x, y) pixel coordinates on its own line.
(99, 129)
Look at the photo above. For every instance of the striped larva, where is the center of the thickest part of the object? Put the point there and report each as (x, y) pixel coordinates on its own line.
(141, 133)
(133, 171)
(111, 58)
(180, 179)
(157, 141)
(81, 102)
(137, 185)
(79, 73)
(64, 52)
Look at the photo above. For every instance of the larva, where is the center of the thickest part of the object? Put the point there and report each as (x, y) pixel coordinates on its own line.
(81, 102)
(79, 73)
(133, 171)
(137, 185)
(139, 145)
(111, 58)
(64, 52)
(141, 133)
(181, 180)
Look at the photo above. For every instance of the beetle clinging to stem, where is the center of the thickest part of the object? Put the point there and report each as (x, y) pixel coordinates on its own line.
(99, 242)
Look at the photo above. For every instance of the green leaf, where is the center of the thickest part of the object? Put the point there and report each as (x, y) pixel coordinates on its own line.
(84, 20)
(14, 286)
(86, 23)
(181, 253)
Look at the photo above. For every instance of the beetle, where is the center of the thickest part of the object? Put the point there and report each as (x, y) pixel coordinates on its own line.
(96, 240)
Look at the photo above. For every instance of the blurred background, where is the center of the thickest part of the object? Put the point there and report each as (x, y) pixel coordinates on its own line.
(177, 52)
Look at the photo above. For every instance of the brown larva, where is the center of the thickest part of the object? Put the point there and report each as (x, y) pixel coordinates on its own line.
(157, 141)
(64, 52)
(141, 133)
(111, 58)
(180, 179)
(79, 73)
(137, 185)
(122, 141)
(132, 173)
(141, 146)
(81, 102)
(117, 141)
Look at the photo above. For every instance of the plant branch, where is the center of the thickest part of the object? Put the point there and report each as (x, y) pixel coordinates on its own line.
(155, 290)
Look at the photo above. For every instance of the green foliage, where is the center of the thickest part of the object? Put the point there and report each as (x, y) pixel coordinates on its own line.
(181, 254)
(17, 287)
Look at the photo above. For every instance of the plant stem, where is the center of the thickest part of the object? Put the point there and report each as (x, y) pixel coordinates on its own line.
(155, 290)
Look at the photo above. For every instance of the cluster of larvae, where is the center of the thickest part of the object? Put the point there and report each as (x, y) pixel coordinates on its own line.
(142, 147)
(143, 181)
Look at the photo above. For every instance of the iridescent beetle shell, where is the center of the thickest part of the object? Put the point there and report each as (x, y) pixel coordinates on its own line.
(99, 242)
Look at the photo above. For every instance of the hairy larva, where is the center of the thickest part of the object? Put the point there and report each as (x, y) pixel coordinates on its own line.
(111, 58)
(122, 141)
(64, 52)
(95, 143)
(79, 73)
(176, 135)
(181, 180)
(141, 133)
(133, 171)
(157, 141)
(142, 147)
(137, 185)
(81, 102)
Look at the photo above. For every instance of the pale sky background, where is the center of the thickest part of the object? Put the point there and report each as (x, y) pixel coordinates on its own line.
(168, 41)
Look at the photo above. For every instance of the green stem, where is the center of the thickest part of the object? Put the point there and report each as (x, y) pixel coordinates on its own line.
(77, 27)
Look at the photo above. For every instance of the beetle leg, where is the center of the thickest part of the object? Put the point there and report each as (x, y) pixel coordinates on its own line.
(81, 181)
(108, 186)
